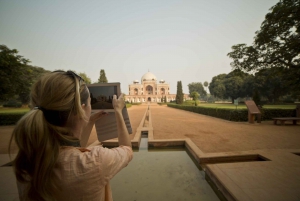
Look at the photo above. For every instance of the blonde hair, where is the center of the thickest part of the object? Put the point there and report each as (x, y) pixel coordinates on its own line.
(38, 134)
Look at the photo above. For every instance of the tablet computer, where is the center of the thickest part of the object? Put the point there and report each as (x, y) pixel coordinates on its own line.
(101, 100)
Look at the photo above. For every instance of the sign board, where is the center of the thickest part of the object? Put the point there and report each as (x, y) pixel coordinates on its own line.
(236, 101)
(252, 108)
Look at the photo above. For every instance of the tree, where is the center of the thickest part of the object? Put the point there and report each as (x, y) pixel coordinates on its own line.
(198, 87)
(256, 97)
(33, 73)
(179, 94)
(276, 44)
(217, 87)
(87, 80)
(272, 83)
(248, 87)
(206, 86)
(102, 78)
(234, 83)
(195, 95)
(16, 75)
(13, 68)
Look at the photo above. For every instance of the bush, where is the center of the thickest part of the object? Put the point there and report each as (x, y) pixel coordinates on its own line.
(10, 118)
(233, 114)
(128, 105)
(12, 103)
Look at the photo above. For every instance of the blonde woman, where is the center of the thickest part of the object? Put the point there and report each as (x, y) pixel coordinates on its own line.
(51, 163)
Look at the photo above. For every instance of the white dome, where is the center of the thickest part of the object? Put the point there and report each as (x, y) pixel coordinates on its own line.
(148, 77)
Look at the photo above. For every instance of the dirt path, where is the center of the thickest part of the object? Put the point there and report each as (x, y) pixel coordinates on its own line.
(216, 135)
(208, 133)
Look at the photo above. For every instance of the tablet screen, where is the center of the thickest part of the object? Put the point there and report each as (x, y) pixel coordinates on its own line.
(101, 96)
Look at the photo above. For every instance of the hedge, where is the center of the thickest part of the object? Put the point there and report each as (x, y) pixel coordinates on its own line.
(10, 118)
(13, 118)
(227, 114)
(235, 115)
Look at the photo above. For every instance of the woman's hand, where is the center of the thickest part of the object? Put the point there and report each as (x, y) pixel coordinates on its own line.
(119, 103)
(94, 117)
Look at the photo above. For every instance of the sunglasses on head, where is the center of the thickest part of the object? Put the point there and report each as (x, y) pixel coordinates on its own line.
(70, 73)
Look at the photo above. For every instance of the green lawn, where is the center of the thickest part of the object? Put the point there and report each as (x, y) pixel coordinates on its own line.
(13, 110)
(243, 106)
(211, 105)
(280, 106)
(25, 109)
(222, 105)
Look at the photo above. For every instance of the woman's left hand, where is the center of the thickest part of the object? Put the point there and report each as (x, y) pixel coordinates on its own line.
(94, 117)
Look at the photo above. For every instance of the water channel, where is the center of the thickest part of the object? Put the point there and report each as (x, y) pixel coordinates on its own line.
(161, 174)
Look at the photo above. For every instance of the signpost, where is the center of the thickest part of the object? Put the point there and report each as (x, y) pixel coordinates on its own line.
(236, 103)
(252, 111)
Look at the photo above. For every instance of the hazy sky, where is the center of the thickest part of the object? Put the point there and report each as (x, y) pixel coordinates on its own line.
(175, 40)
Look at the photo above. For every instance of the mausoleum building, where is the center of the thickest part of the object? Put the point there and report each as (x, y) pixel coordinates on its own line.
(149, 90)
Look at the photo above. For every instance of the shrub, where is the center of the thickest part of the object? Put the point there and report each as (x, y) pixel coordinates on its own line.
(233, 114)
(10, 118)
(12, 103)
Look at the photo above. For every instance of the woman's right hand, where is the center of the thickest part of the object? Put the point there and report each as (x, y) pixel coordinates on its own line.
(119, 103)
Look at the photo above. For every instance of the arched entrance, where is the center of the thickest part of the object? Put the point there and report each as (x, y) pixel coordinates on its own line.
(149, 90)
(149, 99)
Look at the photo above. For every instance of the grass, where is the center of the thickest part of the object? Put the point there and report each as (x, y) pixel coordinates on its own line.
(25, 109)
(243, 106)
(211, 105)
(4, 110)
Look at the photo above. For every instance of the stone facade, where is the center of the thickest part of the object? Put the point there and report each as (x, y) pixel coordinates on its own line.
(150, 91)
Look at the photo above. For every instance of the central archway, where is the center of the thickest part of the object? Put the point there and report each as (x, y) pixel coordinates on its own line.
(149, 89)
(149, 99)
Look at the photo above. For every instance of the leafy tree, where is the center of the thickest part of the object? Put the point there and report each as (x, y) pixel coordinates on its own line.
(33, 73)
(13, 68)
(17, 76)
(198, 87)
(272, 83)
(87, 80)
(217, 87)
(179, 94)
(206, 86)
(102, 78)
(195, 95)
(234, 83)
(256, 97)
(276, 44)
(248, 87)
